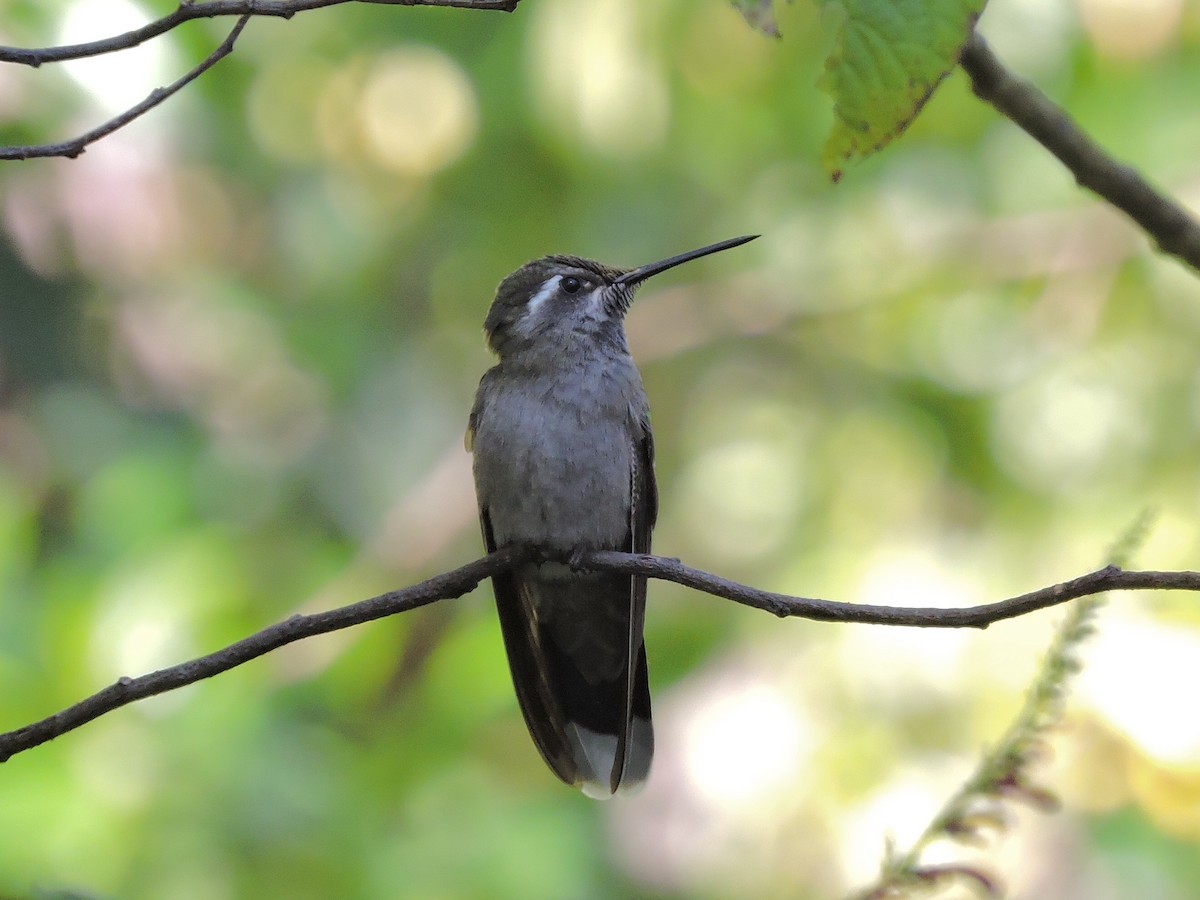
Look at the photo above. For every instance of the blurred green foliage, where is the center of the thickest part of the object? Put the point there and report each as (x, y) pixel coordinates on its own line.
(238, 344)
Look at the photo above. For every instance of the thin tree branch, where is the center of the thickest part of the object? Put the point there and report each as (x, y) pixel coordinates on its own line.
(465, 579)
(1110, 578)
(1173, 228)
(186, 12)
(128, 690)
(72, 148)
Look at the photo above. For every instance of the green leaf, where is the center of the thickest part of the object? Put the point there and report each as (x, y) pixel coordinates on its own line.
(887, 58)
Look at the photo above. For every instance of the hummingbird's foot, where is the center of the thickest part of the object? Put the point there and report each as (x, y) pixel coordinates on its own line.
(540, 554)
(577, 559)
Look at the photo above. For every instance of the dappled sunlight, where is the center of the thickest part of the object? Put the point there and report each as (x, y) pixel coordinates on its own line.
(117, 81)
(744, 483)
(239, 343)
(417, 111)
(1140, 677)
(910, 574)
(884, 477)
(138, 632)
(979, 341)
(591, 81)
(742, 743)
(845, 736)
(751, 487)
(1131, 29)
(734, 762)
(410, 111)
(1062, 432)
(1034, 36)
(897, 812)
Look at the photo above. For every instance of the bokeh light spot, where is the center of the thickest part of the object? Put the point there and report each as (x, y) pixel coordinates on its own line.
(743, 723)
(1057, 433)
(418, 111)
(1139, 676)
(593, 79)
(750, 488)
(1131, 29)
(115, 81)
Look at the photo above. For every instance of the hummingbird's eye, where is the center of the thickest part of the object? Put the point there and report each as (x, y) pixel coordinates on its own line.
(571, 284)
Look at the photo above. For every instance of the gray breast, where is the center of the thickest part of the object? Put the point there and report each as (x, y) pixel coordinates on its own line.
(553, 458)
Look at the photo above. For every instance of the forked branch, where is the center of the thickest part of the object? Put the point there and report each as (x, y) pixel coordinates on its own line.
(72, 148)
(187, 11)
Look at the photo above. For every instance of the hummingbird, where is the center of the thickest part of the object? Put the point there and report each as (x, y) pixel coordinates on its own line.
(563, 459)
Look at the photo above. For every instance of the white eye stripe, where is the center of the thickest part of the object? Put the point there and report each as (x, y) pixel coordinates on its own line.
(545, 293)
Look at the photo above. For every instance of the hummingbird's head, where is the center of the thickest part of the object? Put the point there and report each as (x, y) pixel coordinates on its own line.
(553, 302)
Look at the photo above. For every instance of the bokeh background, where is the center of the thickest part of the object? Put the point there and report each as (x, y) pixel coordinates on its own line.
(239, 341)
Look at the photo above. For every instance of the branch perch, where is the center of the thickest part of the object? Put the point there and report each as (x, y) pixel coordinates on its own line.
(185, 12)
(1172, 227)
(465, 579)
(72, 148)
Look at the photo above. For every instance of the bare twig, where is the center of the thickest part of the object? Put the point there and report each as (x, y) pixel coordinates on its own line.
(979, 807)
(186, 12)
(1174, 230)
(127, 690)
(1110, 578)
(72, 148)
(463, 580)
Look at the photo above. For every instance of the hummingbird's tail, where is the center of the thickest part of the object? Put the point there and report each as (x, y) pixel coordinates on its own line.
(578, 664)
(607, 722)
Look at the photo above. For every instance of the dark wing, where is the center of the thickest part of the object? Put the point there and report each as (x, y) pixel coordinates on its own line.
(636, 746)
(530, 672)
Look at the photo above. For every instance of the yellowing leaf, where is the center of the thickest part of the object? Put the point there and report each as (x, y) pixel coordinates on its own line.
(887, 58)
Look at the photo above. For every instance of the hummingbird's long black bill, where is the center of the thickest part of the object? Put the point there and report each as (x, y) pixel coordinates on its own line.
(634, 276)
